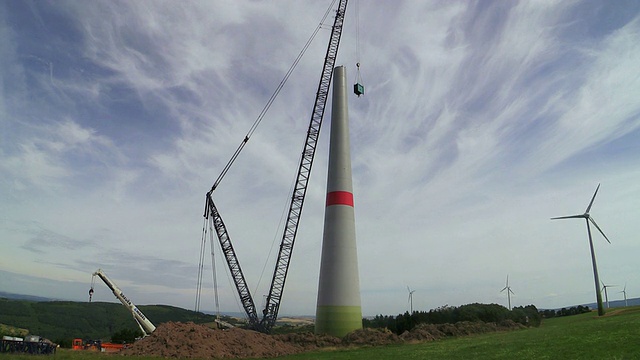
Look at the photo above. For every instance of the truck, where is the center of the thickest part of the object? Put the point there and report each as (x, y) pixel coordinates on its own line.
(96, 345)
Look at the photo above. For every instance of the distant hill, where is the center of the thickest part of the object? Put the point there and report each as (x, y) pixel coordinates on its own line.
(612, 304)
(615, 303)
(99, 320)
(23, 297)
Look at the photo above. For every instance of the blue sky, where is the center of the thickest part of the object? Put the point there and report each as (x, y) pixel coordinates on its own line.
(481, 121)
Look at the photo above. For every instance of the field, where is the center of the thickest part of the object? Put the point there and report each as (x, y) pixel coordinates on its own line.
(586, 336)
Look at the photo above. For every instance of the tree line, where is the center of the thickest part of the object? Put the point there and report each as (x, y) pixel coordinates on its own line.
(488, 313)
(576, 310)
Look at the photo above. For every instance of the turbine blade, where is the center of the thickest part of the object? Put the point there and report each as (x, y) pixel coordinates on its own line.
(569, 217)
(593, 198)
(505, 288)
(598, 227)
(511, 291)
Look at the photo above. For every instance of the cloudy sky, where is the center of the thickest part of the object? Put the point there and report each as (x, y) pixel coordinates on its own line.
(481, 121)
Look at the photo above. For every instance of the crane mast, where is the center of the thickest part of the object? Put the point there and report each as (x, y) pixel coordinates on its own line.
(304, 172)
(270, 312)
(145, 325)
(211, 212)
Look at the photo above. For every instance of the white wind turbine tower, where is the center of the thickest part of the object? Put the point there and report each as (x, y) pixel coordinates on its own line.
(588, 219)
(606, 296)
(410, 300)
(509, 292)
(624, 291)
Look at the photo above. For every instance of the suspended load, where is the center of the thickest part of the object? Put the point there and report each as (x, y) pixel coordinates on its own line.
(358, 88)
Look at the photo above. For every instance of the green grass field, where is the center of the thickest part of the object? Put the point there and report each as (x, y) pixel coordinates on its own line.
(586, 336)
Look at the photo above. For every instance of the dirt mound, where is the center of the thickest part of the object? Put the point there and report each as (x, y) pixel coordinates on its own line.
(309, 341)
(371, 337)
(430, 332)
(189, 340)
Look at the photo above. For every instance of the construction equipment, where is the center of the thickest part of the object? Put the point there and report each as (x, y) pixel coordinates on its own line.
(143, 322)
(88, 345)
(31, 344)
(96, 345)
(212, 215)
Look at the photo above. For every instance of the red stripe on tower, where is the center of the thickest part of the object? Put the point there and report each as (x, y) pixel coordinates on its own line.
(340, 198)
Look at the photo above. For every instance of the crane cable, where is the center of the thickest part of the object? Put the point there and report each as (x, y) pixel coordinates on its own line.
(215, 276)
(271, 100)
(358, 87)
(358, 34)
(203, 243)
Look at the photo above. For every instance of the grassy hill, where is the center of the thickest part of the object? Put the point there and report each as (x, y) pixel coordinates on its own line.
(585, 336)
(67, 320)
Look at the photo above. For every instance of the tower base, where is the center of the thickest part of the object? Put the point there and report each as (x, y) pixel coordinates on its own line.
(338, 320)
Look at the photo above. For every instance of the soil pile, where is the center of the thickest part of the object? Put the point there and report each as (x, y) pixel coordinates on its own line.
(430, 332)
(371, 337)
(189, 340)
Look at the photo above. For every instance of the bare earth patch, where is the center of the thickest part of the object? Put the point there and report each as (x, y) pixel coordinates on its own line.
(189, 340)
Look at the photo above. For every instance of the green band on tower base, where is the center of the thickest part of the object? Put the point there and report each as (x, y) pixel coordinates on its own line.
(338, 320)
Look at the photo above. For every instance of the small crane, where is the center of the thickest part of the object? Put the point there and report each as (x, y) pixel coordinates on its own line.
(146, 326)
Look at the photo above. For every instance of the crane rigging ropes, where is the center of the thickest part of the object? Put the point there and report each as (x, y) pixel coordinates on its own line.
(271, 99)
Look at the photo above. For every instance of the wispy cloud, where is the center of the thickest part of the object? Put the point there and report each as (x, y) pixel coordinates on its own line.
(481, 120)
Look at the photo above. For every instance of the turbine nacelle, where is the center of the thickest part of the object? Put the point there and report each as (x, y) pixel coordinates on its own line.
(509, 289)
(604, 287)
(586, 216)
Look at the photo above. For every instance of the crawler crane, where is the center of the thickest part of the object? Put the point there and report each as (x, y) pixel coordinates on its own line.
(212, 215)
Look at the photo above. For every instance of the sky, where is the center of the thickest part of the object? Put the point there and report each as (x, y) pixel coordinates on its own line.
(481, 121)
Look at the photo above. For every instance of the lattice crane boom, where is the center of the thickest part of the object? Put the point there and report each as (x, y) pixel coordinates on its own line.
(304, 171)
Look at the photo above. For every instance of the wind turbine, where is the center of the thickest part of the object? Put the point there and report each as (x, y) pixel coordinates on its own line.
(410, 300)
(588, 218)
(624, 291)
(606, 296)
(509, 292)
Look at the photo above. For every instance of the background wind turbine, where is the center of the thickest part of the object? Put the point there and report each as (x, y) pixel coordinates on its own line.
(509, 291)
(588, 219)
(410, 300)
(624, 291)
(606, 296)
